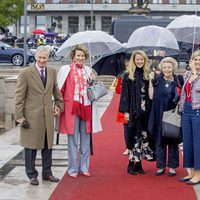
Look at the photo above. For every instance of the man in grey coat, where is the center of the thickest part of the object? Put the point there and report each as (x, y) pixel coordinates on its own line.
(37, 101)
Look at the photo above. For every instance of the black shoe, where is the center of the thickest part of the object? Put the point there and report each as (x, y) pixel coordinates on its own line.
(50, 178)
(160, 173)
(192, 183)
(138, 168)
(34, 181)
(184, 179)
(171, 174)
(131, 168)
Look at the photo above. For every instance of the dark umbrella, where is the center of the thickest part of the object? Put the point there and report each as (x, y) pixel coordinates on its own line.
(49, 34)
(110, 65)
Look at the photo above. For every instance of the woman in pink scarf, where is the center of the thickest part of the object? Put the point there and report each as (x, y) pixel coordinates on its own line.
(77, 118)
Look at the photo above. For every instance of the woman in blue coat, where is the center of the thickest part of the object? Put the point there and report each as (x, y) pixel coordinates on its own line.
(163, 90)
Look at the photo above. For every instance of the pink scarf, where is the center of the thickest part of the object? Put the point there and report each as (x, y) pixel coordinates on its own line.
(81, 104)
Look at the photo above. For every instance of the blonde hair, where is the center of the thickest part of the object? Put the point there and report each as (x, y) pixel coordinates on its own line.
(80, 48)
(195, 54)
(132, 65)
(168, 60)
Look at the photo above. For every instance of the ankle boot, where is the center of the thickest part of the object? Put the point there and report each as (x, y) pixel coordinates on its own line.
(138, 168)
(131, 168)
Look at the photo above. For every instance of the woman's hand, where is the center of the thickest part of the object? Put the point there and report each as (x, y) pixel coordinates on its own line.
(126, 116)
(192, 67)
(151, 75)
(92, 76)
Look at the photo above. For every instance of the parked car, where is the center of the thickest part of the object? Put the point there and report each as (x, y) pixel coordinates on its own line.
(9, 54)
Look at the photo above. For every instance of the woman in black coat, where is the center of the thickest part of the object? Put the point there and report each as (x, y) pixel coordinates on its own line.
(164, 90)
(135, 104)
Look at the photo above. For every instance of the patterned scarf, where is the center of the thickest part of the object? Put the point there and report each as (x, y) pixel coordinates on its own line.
(81, 103)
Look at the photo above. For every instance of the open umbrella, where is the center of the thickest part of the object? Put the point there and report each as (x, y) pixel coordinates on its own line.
(97, 42)
(38, 31)
(49, 34)
(186, 28)
(150, 38)
(62, 35)
(110, 65)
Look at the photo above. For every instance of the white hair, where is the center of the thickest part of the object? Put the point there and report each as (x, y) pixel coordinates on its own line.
(42, 49)
(168, 60)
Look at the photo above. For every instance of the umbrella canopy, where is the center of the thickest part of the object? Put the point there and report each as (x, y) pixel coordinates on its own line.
(50, 34)
(97, 42)
(151, 38)
(110, 65)
(62, 35)
(186, 28)
(38, 31)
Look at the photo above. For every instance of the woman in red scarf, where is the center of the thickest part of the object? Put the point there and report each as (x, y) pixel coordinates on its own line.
(78, 115)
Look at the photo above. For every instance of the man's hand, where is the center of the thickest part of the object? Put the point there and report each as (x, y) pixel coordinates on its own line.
(20, 121)
(56, 111)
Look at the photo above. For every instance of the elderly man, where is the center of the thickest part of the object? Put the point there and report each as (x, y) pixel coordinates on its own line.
(35, 110)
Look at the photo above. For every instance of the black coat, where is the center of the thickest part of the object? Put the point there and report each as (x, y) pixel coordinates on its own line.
(164, 98)
(130, 103)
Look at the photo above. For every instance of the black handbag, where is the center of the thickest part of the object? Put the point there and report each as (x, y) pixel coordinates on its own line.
(171, 125)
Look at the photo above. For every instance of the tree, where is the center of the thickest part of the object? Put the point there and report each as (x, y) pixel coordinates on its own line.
(10, 11)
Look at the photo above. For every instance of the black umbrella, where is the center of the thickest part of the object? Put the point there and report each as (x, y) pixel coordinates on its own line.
(110, 65)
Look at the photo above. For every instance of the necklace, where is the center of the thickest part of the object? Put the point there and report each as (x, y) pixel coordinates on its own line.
(167, 83)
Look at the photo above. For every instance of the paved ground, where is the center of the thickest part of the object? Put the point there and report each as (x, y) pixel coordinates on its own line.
(14, 184)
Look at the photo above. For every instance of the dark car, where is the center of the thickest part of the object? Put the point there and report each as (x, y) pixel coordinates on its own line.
(9, 54)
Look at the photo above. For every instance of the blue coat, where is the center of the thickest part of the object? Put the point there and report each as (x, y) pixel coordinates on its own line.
(164, 98)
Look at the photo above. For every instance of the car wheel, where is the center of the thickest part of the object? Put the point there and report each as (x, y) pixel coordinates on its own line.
(17, 60)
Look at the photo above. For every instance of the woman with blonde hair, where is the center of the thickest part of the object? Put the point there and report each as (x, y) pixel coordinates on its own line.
(79, 116)
(164, 91)
(190, 108)
(135, 104)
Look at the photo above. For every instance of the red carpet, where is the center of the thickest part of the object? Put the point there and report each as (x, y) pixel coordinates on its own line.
(110, 181)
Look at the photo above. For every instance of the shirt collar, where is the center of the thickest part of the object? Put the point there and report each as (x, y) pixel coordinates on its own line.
(39, 69)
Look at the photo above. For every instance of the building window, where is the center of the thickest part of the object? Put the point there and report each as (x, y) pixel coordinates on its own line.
(22, 24)
(89, 1)
(124, 1)
(106, 23)
(191, 1)
(106, 1)
(56, 25)
(56, 1)
(41, 22)
(88, 23)
(73, 24)
(174, 1)
(40, 1)
(157, 1)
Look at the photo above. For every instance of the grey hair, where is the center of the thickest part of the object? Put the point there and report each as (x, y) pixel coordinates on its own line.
(168, 60)
(42, 49)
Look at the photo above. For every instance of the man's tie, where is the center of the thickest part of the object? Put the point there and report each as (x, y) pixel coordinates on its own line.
(42, 77)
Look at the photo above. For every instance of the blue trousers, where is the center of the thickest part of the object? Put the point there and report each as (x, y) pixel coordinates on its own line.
(191, 137)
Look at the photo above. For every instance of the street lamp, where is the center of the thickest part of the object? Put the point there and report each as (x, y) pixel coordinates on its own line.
(25, 30)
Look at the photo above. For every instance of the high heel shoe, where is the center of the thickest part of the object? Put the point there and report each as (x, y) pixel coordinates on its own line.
(160, 172)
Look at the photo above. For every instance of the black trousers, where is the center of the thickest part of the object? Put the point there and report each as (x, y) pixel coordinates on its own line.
(30, 157)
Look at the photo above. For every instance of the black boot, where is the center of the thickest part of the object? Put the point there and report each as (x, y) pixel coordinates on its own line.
(138, 168)
(131, 168)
